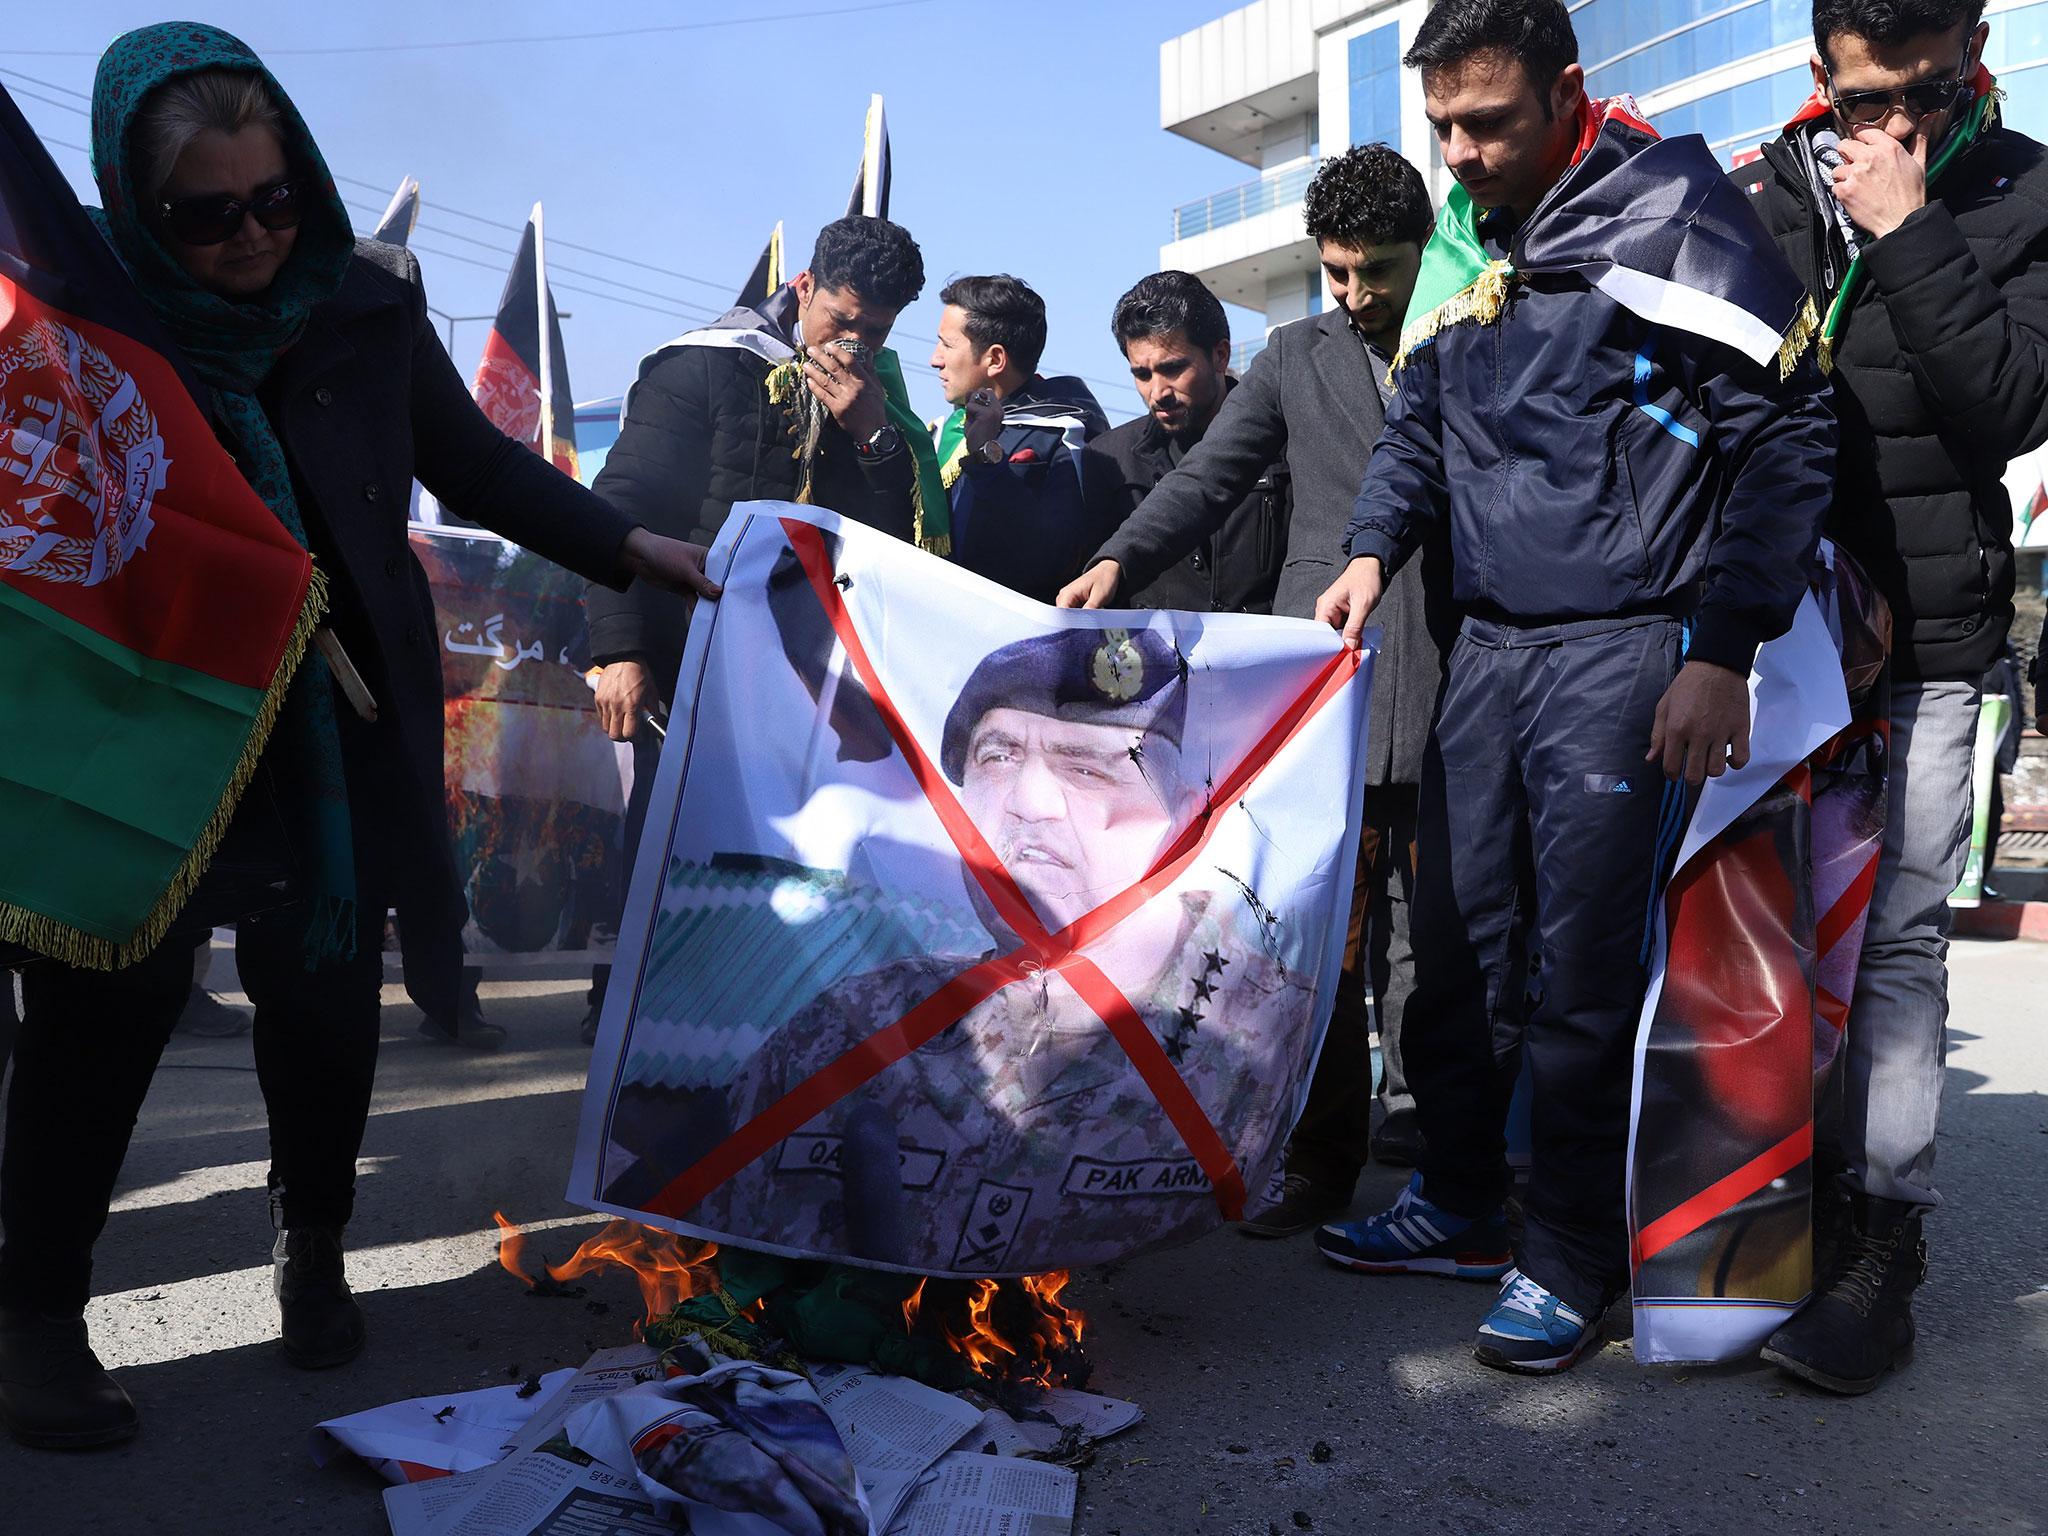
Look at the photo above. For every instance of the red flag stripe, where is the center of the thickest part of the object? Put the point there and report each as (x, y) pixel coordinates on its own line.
(1849, 906)
(1724, 1194)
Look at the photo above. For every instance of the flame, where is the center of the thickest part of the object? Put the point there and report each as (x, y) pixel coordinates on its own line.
(669, 1269)
(1067, 1324)
(1013, 1331)
(986, 1350)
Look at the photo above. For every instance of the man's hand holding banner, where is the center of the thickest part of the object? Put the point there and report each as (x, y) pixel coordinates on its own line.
(969, 936)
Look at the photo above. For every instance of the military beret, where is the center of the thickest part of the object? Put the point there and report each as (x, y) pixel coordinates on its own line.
(1122, 677)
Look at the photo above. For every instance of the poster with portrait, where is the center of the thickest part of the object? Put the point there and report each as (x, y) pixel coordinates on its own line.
(971, 936)
(536, 791)
(1758, 939)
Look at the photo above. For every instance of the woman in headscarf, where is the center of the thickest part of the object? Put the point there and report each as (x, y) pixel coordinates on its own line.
(325, 379)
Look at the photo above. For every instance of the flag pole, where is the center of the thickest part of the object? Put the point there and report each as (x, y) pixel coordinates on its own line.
(871, 160)
(547, 349)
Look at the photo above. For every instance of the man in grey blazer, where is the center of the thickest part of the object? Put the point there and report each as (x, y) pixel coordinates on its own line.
(1314, 397)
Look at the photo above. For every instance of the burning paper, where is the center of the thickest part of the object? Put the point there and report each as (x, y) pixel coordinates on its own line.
(971, 938)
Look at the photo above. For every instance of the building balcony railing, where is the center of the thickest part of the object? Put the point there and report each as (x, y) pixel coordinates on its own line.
(1277, 189)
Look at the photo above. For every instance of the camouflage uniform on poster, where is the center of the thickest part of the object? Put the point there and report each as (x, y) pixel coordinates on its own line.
(1024, 1126)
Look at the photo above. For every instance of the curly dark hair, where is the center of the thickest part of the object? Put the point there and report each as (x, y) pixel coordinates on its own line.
(1167, 302)
(1366, 196)
(1001, 308)
(1538, 32)
(1891, 22)
(876, 259)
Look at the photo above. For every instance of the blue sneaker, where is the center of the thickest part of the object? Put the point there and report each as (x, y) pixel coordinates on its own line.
(1531, 1331)
(1414, 1237)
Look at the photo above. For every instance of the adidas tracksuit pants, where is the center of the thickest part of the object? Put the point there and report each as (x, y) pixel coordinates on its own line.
(1541, 831)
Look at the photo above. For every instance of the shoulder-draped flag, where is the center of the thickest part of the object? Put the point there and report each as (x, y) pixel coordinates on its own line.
(1650, 222)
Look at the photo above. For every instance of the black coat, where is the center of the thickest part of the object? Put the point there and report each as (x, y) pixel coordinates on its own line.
(1941, 375)
(1308, 398)
(1233, 570)
(701, 434)
(365, 402)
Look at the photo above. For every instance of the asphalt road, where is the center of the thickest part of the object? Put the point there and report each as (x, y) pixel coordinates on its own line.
(1244, 1355)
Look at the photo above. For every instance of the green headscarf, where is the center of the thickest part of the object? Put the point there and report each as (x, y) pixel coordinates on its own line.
(232, 344)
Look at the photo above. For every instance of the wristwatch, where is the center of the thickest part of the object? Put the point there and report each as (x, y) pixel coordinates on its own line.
(884, 441)
(992, 451)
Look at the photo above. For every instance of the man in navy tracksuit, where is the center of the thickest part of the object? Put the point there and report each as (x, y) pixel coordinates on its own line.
(1633, 455)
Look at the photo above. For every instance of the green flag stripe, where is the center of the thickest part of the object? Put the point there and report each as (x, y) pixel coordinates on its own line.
(145, 754)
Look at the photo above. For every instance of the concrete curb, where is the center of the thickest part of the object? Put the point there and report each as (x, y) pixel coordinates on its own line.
(2002, 920)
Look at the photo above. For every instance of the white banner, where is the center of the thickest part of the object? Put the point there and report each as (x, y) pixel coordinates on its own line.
(971, 936)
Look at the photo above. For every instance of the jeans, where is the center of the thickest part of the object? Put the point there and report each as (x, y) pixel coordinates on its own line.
(1897, 1038)
(89, 1045)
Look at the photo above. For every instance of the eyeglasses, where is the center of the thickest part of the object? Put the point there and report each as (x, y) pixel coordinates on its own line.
(1923, 98)
(214, 219)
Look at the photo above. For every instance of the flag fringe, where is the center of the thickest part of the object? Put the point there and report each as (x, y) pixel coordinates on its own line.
(1805, 329)
(782, 387)
(1481, 299)
(74, 946)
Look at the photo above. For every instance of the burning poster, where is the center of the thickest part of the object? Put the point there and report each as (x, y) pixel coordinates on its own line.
(969, 937)
(1761, 928)
(536, 792)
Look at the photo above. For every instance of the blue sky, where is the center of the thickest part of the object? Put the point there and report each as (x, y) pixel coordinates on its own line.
(1026, 139)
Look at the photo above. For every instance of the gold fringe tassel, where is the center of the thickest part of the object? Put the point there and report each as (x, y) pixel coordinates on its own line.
(74, 946)
(1482, 299)
(1805, 329)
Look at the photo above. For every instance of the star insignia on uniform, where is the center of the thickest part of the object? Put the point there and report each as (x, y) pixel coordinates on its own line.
(1204, 989)
(1214, 962)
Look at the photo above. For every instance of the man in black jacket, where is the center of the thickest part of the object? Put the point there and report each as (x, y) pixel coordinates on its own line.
(1176, 339)
(1312, 400)
(1604, 397)
(704, 430)
(1938, 330)
(1010, 454)
(707, 425)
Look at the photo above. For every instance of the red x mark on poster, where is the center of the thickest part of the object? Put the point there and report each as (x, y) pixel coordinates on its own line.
(1039, 952)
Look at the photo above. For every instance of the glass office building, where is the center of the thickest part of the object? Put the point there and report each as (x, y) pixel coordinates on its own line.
(1654, 48)
(1276, 84)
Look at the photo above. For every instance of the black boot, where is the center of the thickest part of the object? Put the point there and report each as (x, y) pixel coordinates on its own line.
(1833, 1228)
(1859, 1325)
(322, 1323)
(54, 1393)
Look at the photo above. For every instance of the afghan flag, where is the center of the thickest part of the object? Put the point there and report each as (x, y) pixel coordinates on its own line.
(767, 274)
(871, 182)
(523, 389)
(400, 215)
(1652, 223)
(152, 608)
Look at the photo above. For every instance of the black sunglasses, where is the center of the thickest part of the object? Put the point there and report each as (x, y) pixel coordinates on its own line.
(1924, 98)
(213, 219)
